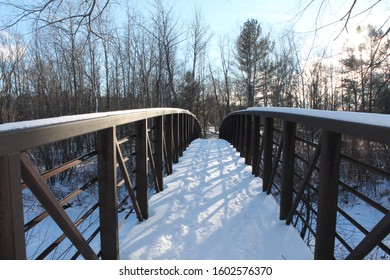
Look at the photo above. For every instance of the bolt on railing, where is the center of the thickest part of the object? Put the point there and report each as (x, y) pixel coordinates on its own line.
(302, 158)
(114, 146)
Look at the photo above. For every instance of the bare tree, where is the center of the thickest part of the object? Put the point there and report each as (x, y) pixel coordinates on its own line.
(199, 36)
(348, 15)
(225, 50)
(50, 12)
(11, 59)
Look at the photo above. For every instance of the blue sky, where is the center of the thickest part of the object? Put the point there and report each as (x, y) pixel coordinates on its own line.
(225, 17)
(222, 15)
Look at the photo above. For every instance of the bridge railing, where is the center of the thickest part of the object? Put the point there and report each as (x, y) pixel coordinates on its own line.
(317, 164)
(120, 157)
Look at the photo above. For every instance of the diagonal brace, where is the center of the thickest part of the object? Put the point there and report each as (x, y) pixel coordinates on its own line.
(42, 192)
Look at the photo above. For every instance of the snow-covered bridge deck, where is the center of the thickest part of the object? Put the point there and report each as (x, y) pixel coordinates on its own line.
(212, 207)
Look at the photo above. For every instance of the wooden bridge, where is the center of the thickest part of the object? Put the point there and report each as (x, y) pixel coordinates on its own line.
(301, 155)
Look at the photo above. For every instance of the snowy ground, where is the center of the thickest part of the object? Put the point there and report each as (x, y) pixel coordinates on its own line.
(212, 208)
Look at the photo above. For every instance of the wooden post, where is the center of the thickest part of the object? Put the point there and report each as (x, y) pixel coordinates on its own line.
(176, 144)
(237, 132)
(327, 195)
(12, 241)
(186, 127)
(107, 161)
(232, 134)
(141, 146)
(158, 150)
(181, 135)
(242, 135)
(288, 160)
(248, 139)
(256, 146)
(169, 142)
(190, 129)
(267, 156)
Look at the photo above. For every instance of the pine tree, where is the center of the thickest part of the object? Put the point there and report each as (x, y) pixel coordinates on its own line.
(252, 53)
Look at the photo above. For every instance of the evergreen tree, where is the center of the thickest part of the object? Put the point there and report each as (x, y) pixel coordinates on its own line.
(252, 55)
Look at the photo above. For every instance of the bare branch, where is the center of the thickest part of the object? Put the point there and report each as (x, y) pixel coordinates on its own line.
(45, 13)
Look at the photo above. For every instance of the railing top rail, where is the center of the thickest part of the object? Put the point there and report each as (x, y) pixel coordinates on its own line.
(370, 126)
(20, 136)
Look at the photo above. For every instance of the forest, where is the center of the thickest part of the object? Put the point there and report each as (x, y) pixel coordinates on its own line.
(79, 58)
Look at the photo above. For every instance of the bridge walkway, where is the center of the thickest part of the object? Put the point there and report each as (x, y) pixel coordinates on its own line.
(212, 207)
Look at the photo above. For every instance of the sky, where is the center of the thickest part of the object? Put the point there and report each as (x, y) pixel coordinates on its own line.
(316, 24)
(223, 16)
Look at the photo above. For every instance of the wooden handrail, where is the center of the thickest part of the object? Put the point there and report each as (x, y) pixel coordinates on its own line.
(370, 126)
(169, 129)
(323, 165)
(15, 137)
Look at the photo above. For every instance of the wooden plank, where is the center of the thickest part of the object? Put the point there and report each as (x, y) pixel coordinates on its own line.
(327, 195)
(226, 131)
(66, 166)
(256, 146)
(152, 164)
(185, 132)
(158, 151)
(107, 163)
(237, 132)
(33, 222)
(128, 184)
(169, 142)
(373, 239)
(288, 162)
(142, 167)
(180, 142)
(362, 126)
(43, 193)
(192, 135)
(62, 237)
(248, 138)
(305, 183)
(241, 145)
(12, 240)
(232, 130)
(175, 142)
(267, 156)
(275, 166)
(23, 139)
(259, 161)
(230, 136)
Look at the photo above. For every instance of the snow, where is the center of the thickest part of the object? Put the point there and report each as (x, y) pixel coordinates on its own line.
(382, 120)
(212, 207)
(57, 120)
(7, 127)
(366, 216)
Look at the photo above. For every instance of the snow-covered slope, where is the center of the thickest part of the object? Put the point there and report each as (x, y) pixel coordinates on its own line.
(212, 208)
